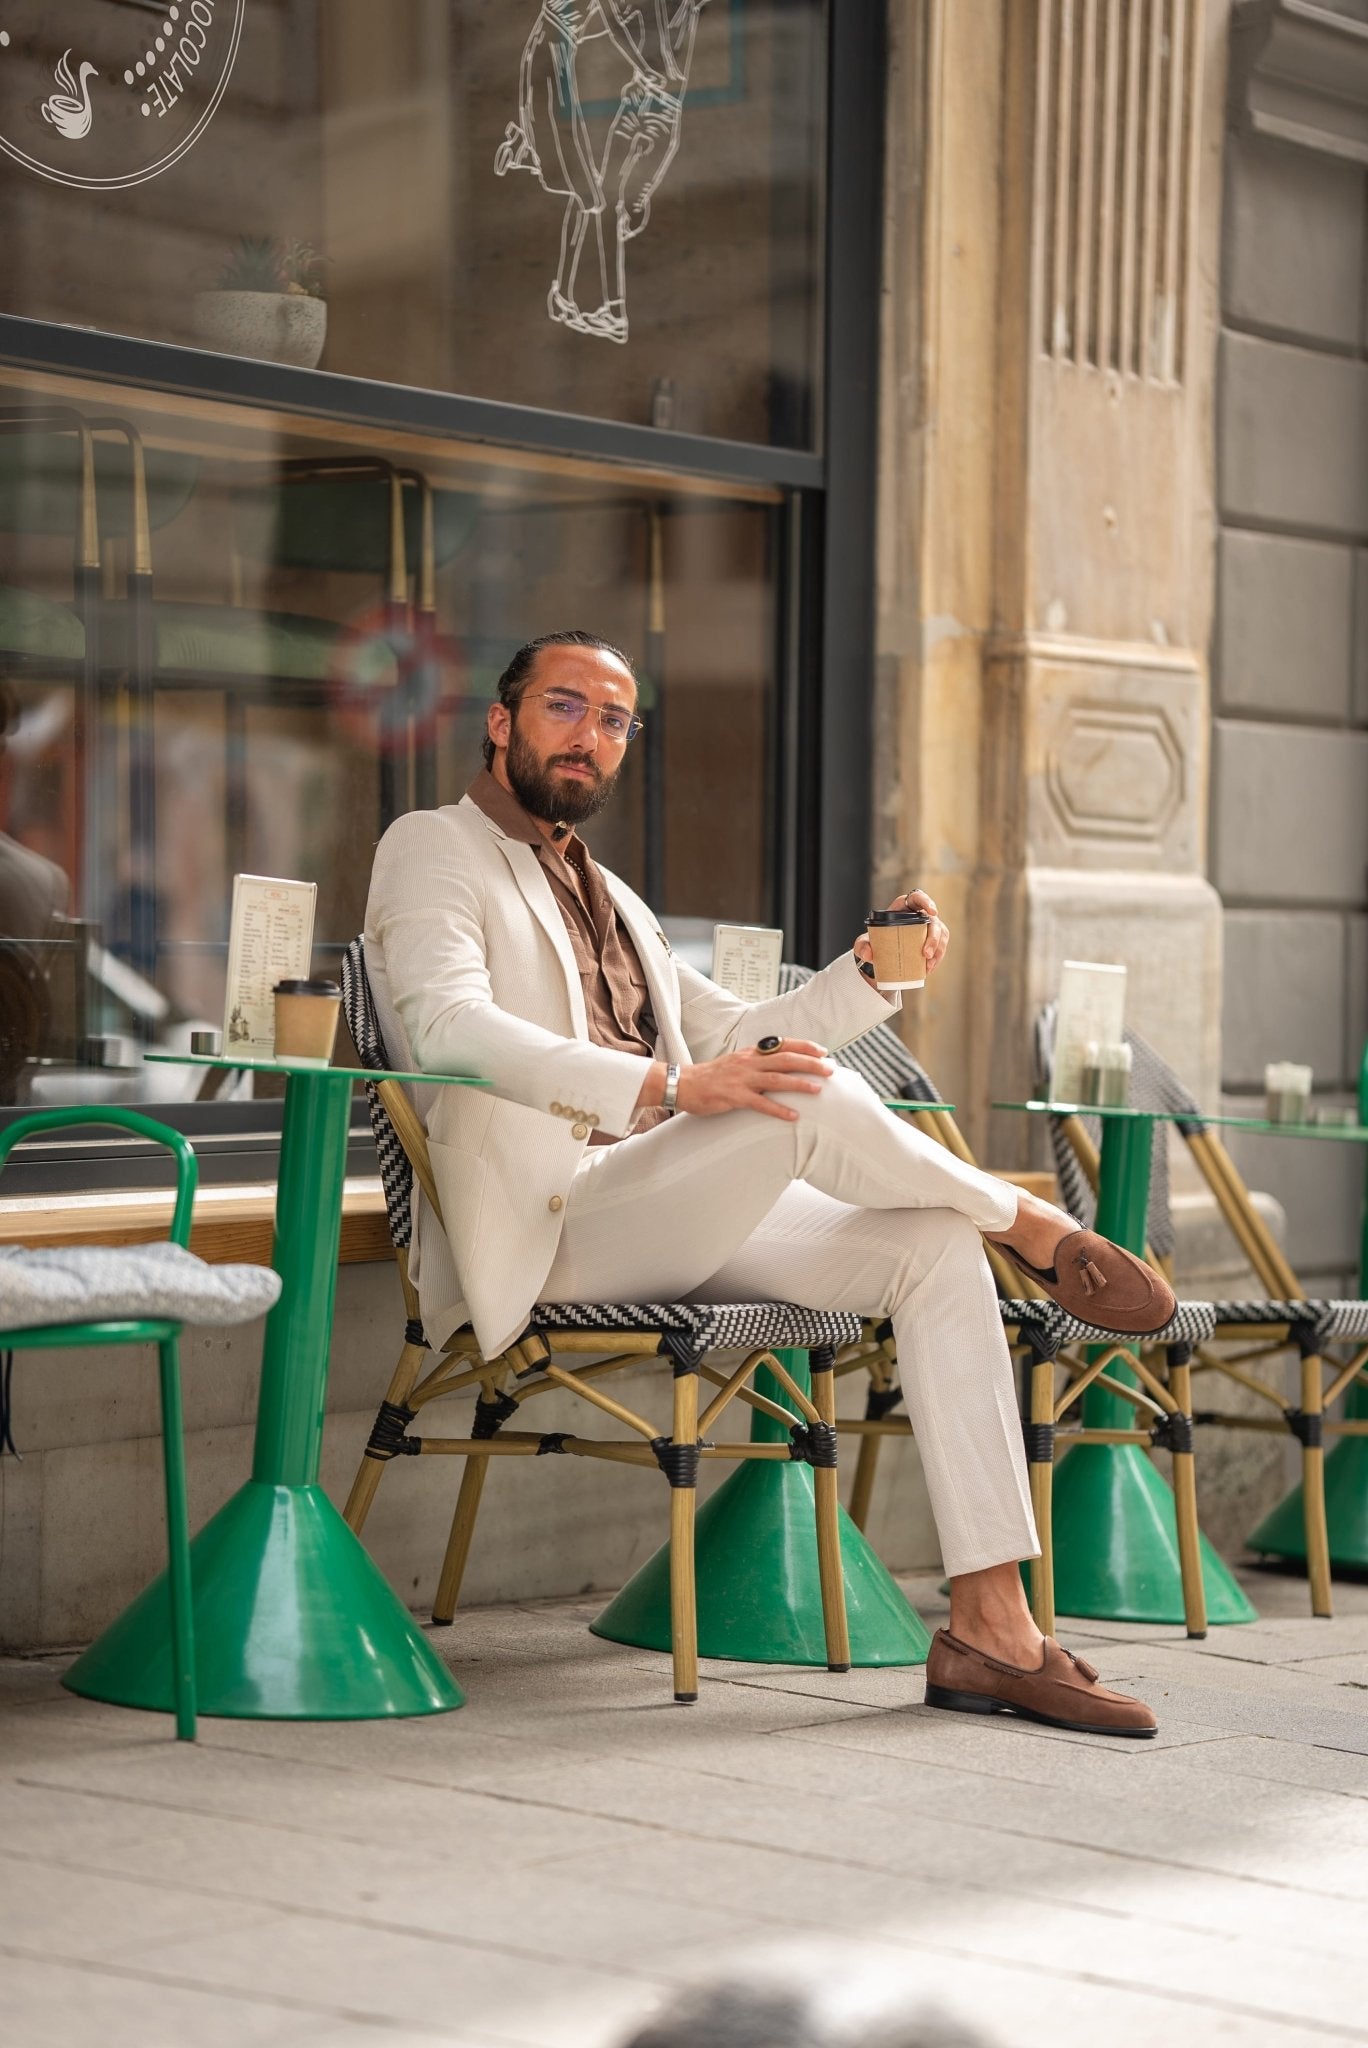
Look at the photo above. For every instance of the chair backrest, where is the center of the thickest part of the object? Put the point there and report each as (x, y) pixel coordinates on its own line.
(396, 1171)
(1153, 1085)
(879, 1057)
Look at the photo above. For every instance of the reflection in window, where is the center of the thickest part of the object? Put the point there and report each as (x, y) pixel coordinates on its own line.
(601, 208)
(235, 643)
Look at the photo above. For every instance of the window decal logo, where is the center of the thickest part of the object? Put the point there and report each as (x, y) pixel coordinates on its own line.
(597, 174)
(69, 109)
(103, 95)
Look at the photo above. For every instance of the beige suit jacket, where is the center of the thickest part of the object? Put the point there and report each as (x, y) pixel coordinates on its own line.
(472, 973)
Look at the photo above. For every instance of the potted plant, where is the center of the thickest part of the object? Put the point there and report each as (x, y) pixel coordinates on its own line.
(268, 302)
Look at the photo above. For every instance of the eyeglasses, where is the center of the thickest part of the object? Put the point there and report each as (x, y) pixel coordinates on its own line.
(564, 708)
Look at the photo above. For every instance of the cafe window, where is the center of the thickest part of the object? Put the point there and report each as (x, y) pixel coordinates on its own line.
(342, 349)
(606, 207)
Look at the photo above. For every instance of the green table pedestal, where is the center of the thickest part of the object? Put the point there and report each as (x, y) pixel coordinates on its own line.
(292, 1620)
(755, 1549)
(1115, 1530)
(1283, 1532)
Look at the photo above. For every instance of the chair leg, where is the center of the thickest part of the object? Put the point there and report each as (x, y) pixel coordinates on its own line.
(683, 1502)
(862, 1487)
(177, 1540)
(1040, 1467)
(458, 1543)
(374, 1459)
(830, 1572)
(1185, 1507)
(1313, 1490)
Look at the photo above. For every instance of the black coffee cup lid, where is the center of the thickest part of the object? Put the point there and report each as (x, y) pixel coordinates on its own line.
(898, 917)
(317, 986)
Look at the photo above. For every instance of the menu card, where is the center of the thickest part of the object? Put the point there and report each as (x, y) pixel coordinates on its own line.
(746, 960)
(270, 939)
(1092, 1008)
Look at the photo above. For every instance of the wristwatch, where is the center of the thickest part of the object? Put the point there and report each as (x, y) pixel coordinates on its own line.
(670, 1099)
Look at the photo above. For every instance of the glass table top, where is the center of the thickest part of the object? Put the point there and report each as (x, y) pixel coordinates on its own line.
(1353, 1133)
(236, 1064)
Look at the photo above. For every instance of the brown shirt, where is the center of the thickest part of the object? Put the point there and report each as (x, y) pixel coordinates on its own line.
(616, 998)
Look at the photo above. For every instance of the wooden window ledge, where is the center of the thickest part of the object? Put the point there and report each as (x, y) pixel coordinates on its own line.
(232, 1225)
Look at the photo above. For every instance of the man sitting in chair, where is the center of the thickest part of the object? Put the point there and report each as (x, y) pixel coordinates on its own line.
(650, 1137)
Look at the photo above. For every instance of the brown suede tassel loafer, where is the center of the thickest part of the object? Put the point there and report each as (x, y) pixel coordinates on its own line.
(1063, 1691)
(1097, 1282)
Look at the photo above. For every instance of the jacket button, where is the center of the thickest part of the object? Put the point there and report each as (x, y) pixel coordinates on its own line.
(555, 1203)
(555, 1109)
(579, 1130)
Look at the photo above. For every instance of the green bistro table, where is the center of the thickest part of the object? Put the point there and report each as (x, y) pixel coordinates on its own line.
(755, 1550)
(1115, 1530)
(293, 1621)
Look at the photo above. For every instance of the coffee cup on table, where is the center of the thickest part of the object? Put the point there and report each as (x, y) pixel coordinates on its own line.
(896, 938)
(306, 1014)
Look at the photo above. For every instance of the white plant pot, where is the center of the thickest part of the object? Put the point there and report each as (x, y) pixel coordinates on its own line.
(275, 327)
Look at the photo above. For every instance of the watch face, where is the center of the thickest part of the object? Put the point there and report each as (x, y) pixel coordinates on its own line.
(104, 97)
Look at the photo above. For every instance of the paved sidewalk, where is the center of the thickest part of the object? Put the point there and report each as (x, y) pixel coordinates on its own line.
(548, 1866)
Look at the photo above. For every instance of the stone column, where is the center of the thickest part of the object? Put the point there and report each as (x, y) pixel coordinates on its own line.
(1046, 567)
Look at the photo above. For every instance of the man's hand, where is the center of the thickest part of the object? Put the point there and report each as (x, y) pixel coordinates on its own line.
(937, 936)
(743, 1080)
(747, 1080)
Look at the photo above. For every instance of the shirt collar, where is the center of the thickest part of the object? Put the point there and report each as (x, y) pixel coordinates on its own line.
(503, 809)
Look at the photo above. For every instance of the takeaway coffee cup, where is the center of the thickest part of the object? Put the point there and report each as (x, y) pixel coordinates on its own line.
(306, 1020)
(897, 938)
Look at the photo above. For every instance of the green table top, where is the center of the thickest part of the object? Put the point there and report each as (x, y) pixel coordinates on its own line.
(896, 1102)
(236, 1064)
(1353, 1133)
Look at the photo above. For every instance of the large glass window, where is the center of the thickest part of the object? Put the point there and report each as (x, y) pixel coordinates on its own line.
(238, 642)
(610, 208)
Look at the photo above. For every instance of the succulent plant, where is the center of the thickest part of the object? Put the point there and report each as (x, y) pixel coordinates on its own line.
(259, 263)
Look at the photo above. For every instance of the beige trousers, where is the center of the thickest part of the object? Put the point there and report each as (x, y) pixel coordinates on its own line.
(848, 1208)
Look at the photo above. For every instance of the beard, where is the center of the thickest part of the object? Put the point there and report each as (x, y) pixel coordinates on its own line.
(544, 795)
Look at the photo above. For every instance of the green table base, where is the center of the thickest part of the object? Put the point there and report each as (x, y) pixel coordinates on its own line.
(1115, 1531)
(759, 1595)
(1116, 1543)
(292, 1622)
(1282, 1534)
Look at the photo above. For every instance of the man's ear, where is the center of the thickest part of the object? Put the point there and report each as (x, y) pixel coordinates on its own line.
(498, 724)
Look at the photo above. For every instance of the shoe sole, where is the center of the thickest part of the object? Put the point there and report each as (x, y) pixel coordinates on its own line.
(982, 1703)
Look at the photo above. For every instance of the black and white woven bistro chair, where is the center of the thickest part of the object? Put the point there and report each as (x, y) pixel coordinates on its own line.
(1328, 1337)
(606, 1338)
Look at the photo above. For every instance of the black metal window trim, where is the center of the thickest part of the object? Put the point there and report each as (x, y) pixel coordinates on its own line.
(155, 366)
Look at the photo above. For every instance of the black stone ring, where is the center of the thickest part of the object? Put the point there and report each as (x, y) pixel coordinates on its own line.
(770, 1044)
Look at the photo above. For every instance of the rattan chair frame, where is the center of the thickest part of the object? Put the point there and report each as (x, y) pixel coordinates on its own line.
(504, 1385)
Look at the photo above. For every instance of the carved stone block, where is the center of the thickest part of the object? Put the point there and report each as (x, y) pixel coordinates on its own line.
(1111, 744)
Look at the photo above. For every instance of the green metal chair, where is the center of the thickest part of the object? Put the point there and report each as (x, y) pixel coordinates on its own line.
(165, 1334)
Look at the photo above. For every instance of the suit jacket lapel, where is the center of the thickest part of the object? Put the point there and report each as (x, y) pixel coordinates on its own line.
(531, 879)
(655, 964)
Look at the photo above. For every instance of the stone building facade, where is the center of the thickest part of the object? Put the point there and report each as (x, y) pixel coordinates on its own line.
(1123, 624)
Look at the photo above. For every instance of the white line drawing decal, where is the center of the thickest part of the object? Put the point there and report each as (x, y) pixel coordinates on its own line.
(551, 139)
(69, 111)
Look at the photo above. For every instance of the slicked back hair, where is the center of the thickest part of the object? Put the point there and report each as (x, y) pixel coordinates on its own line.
(516, 677)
